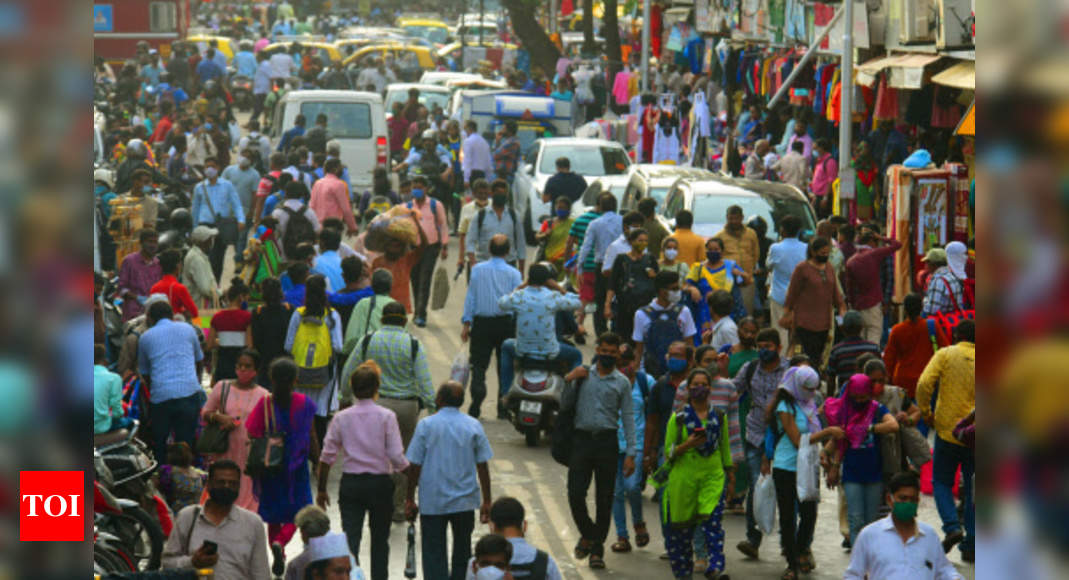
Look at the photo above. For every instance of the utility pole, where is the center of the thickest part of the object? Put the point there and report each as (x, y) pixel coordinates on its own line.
(482, 16)
(645, 66)
(846, 97)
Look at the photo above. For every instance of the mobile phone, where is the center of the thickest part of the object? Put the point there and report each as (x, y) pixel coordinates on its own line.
(209, 547)
(699, 431)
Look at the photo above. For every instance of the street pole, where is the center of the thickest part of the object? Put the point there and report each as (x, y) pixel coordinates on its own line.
(553, 25)
(482, 16)
(846, 97)
(645, 46)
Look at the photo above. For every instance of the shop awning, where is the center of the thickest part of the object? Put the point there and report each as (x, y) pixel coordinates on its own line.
(959, 76)
(906, 70)
(867, 71)
(967, 126)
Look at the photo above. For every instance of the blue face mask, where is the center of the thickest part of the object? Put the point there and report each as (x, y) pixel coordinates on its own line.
(417, 193)
(767, 355)
(207, 126)
(146, 189)
(676, 365)
(100, 189)
(563, 213)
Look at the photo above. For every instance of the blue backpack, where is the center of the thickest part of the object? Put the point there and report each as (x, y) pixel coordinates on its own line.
(661, 333)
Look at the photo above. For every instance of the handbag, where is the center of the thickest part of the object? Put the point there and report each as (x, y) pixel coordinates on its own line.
(941, 325)
(267, 454)
(914, 446)
(439, 288)
(213, 439)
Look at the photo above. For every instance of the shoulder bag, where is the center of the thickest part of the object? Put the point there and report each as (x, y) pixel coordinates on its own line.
(213, 439)
(267, 454)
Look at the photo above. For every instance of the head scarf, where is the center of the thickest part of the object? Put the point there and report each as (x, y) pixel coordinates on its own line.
(957, 255)
(802, 383)
(842, 413)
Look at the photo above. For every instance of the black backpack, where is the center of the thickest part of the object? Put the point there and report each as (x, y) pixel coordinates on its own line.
(663, 330)
(533, 570)
(299, 229)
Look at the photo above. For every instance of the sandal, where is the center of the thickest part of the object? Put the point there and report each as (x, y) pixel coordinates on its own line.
(621, 546)
(642, 535)
(806, 563)
(582, 549)
(597, 562)
(789, 574)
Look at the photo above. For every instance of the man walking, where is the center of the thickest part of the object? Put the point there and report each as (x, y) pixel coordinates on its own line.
(477, 162)
(246, 180)
(507, 520)
(435, 228)
(216, 204)
(506, 153)
(447, 451)
(367, 314)
(653, 226)
(783, 257)
(497, 219)
(564, 182)
(330, 197)
(601, 232)
(485, 323)
(863, 289)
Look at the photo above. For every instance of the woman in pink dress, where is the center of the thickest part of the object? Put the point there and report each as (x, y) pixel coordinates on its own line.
(242, 396)
(651, 118)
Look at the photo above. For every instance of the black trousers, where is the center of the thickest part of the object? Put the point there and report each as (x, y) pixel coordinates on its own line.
(601, 286)
(370, 494)
(228, 236)
(422, 274)
(433, 544)
(795, 536)
(812, 342)
(594, 455)
(487, 335)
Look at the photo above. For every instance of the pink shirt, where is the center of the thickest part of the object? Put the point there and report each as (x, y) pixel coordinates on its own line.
(619, 87)
(826, 171)
(330, 198)
(432, 223)
(370, 437)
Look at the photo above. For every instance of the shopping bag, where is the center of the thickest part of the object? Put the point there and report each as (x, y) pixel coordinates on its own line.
(764, 503)
(808, 469)
(439, 288)
(461, 368)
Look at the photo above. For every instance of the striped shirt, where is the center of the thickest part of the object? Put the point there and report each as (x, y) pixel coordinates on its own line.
(761, 390)
(168, 353)
(489, 281)
(366, 317)
(391, 348)
(579, 228)
(842, 361)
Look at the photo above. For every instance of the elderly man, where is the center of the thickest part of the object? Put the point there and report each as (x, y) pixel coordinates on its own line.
(197, 275)
(313, 523)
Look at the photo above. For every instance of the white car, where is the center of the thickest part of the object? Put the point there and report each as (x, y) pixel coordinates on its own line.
(434, 77)
(654, 180)
(429, 95)
(591, 158)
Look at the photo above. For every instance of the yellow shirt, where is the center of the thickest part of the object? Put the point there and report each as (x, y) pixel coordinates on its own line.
(954, 369)
(691, 246)
(744, 249)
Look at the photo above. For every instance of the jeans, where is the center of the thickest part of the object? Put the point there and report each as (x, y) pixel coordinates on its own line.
(594, 456)
(754, 455)
(178, 416)
(947, 458)
(488, 334)
(228, 236)
(628, 491)
(568, 354)
(422, 274)
(432, 543)
(862, 503)
(795, 536)
(370, 493)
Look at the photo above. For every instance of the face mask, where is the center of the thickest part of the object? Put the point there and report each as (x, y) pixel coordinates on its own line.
(821, 259)
(207, 126)
(639, 246)
(246, 376)
(563, 213)
(224, 496)
(607, 361)
(712, 256)
(767, 355)
(490, 573)
(671, 253)
(904, 511)
(500, 199)
(676, 365)
(244, 163)
(100, 189)
(417, 193)
(699, 393)
(146, 189)
(210, 172)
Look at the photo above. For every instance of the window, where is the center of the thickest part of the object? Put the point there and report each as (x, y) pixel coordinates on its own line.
(586, 161)
(712, 210)
(162, 17)
(673, 204)
(344, 120)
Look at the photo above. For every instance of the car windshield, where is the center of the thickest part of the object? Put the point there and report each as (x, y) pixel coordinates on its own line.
(586, 161)
(432, 33)
(344, 120)
(710, 213)
(428, 98)
(659, 194)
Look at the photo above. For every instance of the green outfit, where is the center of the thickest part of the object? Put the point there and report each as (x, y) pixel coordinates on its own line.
(695, 483)
(366, 317)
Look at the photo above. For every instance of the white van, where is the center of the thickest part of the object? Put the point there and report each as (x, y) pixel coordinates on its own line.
(356, 119)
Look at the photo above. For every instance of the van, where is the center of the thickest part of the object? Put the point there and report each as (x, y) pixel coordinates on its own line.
(354, 118)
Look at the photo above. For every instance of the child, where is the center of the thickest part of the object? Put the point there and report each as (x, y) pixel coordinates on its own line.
(180, 482)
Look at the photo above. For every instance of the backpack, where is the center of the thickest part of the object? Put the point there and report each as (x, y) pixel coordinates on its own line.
(515, 225)
(662, 332)
(299, 229)
(366, 341)
(533, 570)
(312, 349)
(564, 430)
(379, 203)
(636, 284)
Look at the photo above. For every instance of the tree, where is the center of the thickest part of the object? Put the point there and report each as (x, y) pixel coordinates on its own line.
(611, 31)
(534, 38)
(588, 27)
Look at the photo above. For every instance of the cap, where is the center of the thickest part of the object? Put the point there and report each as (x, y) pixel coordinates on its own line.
(936, 255)
(203, 233)
(154, 298)
(104, 176)
(331, 545)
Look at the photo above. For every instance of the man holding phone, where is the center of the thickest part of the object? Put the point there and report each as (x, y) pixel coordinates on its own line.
(219, 535)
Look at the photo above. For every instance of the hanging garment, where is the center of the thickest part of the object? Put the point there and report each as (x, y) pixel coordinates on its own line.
(886, 102)
(648, 128)
(620, 91)
(794, 21)
(666, 145)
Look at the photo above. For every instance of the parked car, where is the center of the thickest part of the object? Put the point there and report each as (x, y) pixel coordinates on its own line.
(654, 180)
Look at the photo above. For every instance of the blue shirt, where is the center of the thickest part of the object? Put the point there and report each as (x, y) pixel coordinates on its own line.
(245, 63)
(224, 201)
(599, 234)
(168, 353)
(344, 175)
(782, 259)
(208, 70)
(296, 131)
(639, 406)
(261, 80)
(864, 464)
(245, 182)
(536, 308)
(449, 445)
(329, 265)
(295, 295)
(151, 74)
(489, 281)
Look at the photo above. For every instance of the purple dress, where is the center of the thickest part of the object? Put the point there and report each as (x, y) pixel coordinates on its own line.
(283, 495)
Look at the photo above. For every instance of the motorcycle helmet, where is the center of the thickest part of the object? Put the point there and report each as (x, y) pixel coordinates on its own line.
(181, 220)
(105, 176)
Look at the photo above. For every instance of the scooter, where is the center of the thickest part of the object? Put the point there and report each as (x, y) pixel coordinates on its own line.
(241, 91)
(126, 537)
(534, 398)
(130, 463)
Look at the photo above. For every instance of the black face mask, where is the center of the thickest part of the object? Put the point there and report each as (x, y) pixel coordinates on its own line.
(500, 199)
(607, 361)
(224, 496)
(820, 259)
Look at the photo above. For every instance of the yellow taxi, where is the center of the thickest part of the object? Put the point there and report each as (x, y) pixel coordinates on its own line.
(326, 51)
(435, 31)
(228, 46)
(417, 57)
(344, 44)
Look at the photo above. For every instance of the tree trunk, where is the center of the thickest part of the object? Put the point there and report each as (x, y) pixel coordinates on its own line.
(611, 32)
(588, 27)
(534, 38)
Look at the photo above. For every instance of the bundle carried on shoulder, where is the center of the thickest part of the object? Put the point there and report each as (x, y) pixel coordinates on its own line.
(395, 224)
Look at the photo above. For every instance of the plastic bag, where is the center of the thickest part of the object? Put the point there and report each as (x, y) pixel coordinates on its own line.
(764, 503)
(439, 288)
(461, 368)
(808, 469)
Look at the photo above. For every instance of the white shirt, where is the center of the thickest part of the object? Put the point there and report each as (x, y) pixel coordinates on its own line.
(282, 65)
(880, 553)
(618, 246)
(475, 154)
(256, 139)
(725, 332)
(642, 322)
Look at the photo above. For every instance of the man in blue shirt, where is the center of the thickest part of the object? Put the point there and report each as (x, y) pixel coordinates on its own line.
(328, 263)
(245, 60)
(485, 322)
(599, 235)
(261, 84)
(218, 58)
(450, 449)
(783, 257)
(208, 69)
(216, 203)
(296, 131)
(169, 359)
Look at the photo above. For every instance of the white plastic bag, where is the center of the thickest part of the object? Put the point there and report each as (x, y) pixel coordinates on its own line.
(764, 503)
(461, 368)
(808, 469)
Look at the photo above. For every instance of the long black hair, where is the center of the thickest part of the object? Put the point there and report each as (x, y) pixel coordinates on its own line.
(271, 289)
(283, 373)
(315, 295)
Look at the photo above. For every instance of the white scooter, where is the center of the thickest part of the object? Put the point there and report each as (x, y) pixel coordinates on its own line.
(534, 398)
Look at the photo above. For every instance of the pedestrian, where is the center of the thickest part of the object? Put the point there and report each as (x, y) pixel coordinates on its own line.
(281, 495)
(629, 488)
(564, 183)
(739, 244)
(701, 472)
(497, 219)
(366, 315)
(900, 546)
(329, 559)
(371, 439)
(108, 414)
(507, 520)
(862, 286)
(229, 403)
(216, 204)
(812, 294)
(742, 352)
(660, 323)
(432, 220)
(825, 172)
(177, 294)
(507, 152)
(756, 382)
(631, 283)
(754, 166)
(723, 396)
(477, 163)
(138, 272)
(953, 369)
(237, 533)
(356, 289)
(312, 522)
(480, 193)
(169, 361)
(600, 404)
(793, 412)
(554, 234)
(268, 327)
(933, 260)
(783, 257)
(669, 249)
(449, 455)
(947, 287)
(909, 346)
(316, 138)
(620, 245)
(902, 407)
(793, 168)
(585, 271)
(406, 380)
(717, 272)
(691, 245)
(601, 233)
(245, 177)
(197, 274)
(228, 331)
(486, 324)
(663, 402)
(842, 360)
(294, 210)
(723, 332)
(330, 196)
(328, 262)
(492, 556)
(181, 483)
(314, 339)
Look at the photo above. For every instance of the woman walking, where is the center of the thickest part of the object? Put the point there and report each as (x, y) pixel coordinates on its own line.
(811, 296)
(670, 250)
(630, 283)
(715, 273)
(229, 333)
(304, 341)
(268, 326)
(282, 495)
(697, 444)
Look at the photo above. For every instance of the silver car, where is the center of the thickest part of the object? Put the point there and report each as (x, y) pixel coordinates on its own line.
(708, 199)
(654, 180)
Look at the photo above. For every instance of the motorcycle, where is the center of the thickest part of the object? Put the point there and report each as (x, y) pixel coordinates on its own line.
(534, 398)
(241, 91)
(111, 306)
(130, 463)
(126, 537)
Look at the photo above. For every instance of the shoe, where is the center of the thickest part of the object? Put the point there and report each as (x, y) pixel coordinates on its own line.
(714, 575)
(597, 562)
(421, 322)
(846, 544)
(806, 562)
(579, 339)
(748, 549)
(278, 565)
(622, 546)
(968, 556)
(642, 535)
(582, 549)
(952, 539)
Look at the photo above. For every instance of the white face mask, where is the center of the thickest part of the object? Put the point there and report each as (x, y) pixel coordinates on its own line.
(671, 253)
(674, 296)
(490, 573)
(210, 172)
(244, 163)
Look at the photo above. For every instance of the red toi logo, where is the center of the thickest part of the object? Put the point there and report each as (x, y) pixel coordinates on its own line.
(51, 506)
